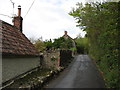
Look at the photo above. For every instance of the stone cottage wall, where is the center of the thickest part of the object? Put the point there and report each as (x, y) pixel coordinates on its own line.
(12, 67)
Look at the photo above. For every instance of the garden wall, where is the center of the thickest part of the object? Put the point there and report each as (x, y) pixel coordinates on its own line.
(56, 58)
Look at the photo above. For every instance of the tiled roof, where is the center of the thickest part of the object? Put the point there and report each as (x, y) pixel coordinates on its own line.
(14, 41)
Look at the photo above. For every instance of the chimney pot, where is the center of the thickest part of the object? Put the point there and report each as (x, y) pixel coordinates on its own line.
(19, 10)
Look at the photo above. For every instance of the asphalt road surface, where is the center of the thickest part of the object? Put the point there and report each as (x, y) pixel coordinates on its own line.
(81, 73)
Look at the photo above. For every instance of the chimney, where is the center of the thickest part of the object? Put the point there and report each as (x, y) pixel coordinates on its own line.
(17, 21)
(65, 32)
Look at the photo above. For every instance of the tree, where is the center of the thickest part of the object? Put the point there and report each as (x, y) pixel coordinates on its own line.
(82, 45)
(48, 44)
(100, 21)
(62, 43)
(39, 45)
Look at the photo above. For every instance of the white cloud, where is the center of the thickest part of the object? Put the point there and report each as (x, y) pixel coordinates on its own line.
(47, 18)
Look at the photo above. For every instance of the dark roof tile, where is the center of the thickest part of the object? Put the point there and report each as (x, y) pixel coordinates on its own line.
(15, 42)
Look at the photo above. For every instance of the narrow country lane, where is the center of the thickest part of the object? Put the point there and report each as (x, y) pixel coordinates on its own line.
(82, 73)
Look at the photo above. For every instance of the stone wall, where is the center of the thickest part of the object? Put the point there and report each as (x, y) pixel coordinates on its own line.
(56, 58)
(12, 67)
(50, 59)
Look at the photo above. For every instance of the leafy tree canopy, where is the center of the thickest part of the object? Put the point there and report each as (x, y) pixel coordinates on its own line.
(100, 21)
(62, 43)
(39, 45)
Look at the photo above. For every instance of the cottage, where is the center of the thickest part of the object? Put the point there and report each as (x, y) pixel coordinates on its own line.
(66, 36)
(18, 53)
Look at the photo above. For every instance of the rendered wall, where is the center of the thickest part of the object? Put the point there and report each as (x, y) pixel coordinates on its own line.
(12, 67)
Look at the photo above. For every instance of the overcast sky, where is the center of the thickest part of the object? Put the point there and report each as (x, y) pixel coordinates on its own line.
(46, 18)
